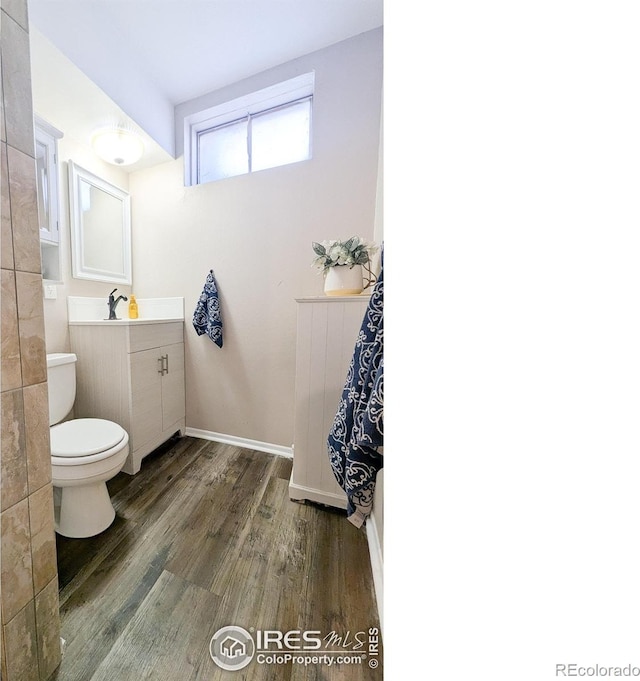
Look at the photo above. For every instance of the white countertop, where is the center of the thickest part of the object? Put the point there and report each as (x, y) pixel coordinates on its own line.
(84, 311)
(123, 322)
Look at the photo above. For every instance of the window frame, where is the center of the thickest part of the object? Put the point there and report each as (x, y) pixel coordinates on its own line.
(47, 136)
(252, 104)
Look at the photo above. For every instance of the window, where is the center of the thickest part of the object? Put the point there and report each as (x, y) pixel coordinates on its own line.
(266, 129)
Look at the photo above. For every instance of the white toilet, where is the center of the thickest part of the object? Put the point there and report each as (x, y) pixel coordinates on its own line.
(85, 453)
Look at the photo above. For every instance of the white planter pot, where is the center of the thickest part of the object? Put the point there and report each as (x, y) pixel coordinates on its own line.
(343, 280)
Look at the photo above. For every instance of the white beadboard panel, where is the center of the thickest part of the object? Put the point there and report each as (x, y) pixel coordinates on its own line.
(312, 450)
(327, 332)
(342, 331)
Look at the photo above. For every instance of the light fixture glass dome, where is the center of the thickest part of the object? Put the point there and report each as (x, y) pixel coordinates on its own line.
(118, 146)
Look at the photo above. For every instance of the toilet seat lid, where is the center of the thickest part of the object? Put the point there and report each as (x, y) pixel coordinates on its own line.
(83, 437)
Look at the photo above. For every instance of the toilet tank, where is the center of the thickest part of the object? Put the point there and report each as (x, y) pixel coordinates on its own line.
(61, 377)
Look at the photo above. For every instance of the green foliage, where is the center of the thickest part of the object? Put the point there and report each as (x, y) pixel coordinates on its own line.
(353, 251)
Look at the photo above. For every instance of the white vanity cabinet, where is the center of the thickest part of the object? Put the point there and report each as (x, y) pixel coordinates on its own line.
(132, 372)
(327, 331)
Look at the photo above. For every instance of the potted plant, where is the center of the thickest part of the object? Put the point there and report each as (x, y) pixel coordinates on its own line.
(342, 263)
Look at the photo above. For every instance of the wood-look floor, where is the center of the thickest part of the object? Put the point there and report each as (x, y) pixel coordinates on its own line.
(206, 536)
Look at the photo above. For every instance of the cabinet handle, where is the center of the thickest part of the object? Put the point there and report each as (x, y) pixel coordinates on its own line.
(164, 364)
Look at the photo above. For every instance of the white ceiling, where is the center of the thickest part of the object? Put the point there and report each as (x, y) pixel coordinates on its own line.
(149, 55)
(67, 99)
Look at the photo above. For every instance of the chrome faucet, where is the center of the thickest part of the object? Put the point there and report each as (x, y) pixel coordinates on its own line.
(113, 302)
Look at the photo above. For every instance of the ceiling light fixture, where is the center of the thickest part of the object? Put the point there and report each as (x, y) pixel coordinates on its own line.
(119, 146)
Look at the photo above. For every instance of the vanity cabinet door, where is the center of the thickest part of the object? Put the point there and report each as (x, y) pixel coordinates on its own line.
(173, 393)
(146, 396)
(156, 357)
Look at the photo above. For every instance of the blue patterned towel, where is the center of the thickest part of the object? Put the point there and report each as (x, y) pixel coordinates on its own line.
(207, 318)
(356, 439)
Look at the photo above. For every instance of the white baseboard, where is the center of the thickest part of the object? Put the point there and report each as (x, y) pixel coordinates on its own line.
(375, 555)
(279, 450)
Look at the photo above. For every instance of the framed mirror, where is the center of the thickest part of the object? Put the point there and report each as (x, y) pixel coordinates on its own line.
(100, 228)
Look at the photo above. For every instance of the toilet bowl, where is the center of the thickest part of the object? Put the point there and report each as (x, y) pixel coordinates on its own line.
(85, 453)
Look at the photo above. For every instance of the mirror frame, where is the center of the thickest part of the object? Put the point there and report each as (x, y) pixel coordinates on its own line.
(80, 270)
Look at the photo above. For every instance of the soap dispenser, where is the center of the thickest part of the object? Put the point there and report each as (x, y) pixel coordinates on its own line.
(133, 308)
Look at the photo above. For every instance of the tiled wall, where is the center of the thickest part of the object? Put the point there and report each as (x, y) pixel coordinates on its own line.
(29, 582)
